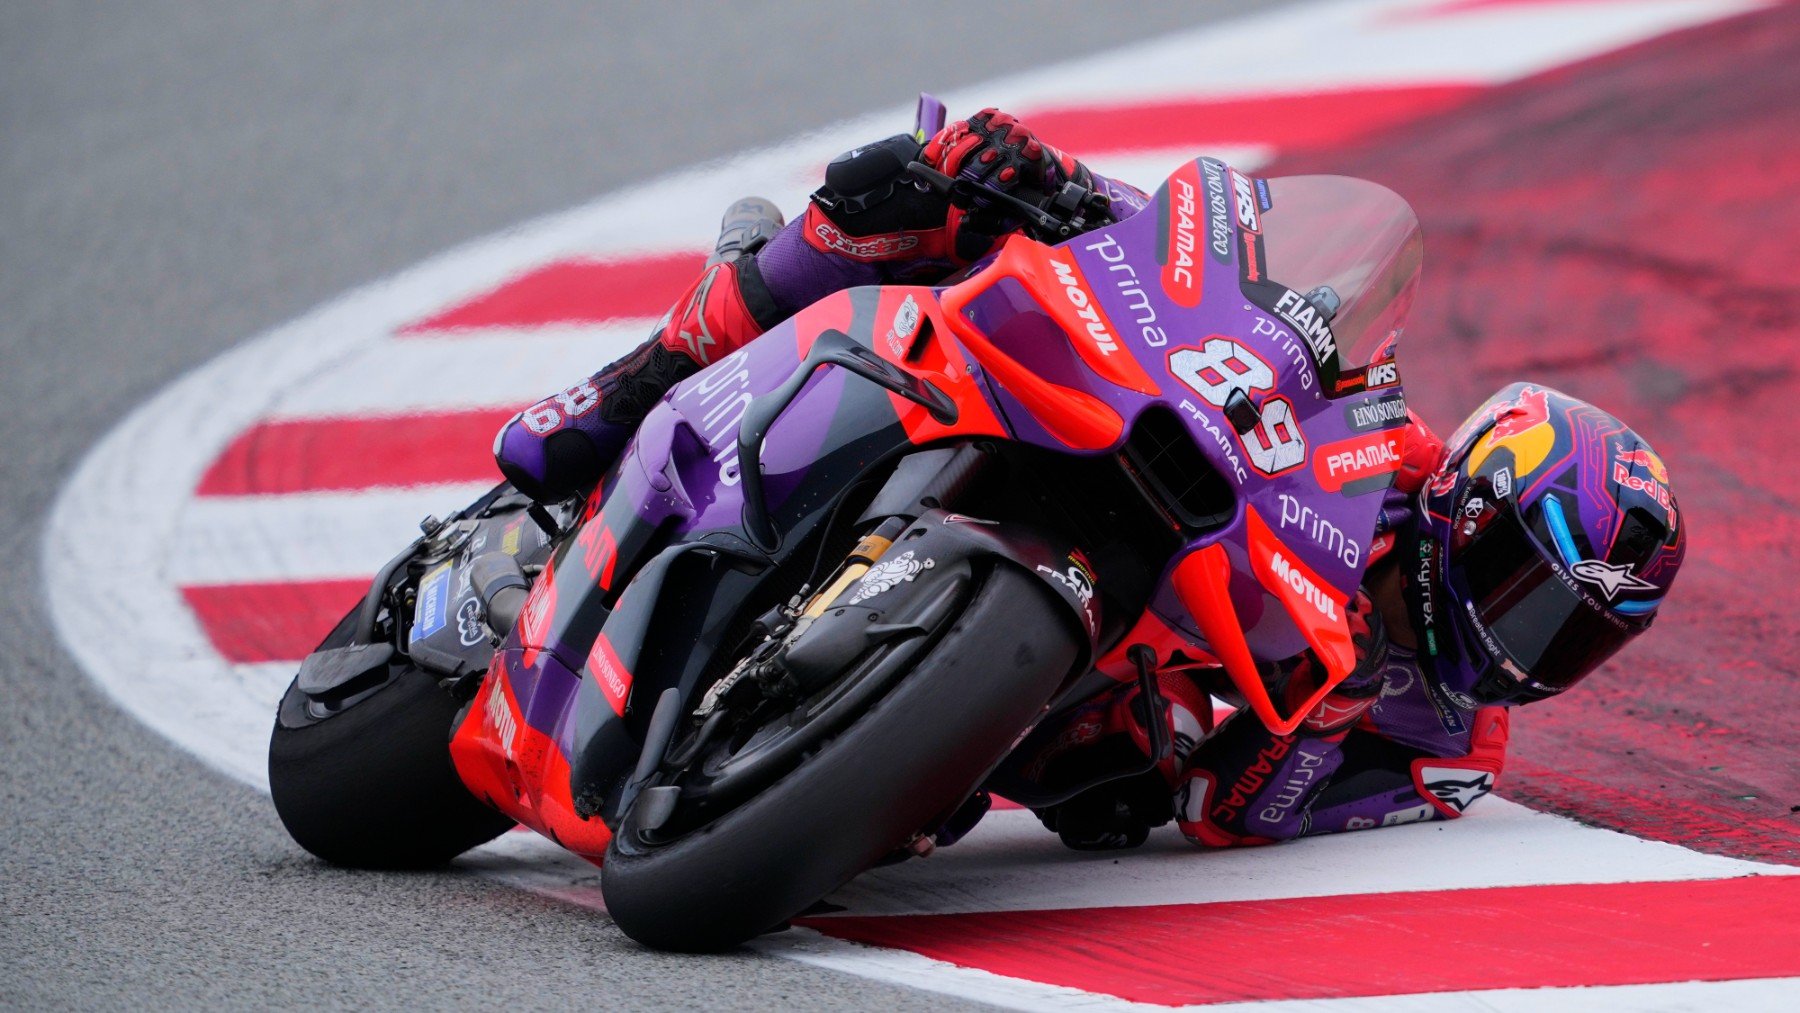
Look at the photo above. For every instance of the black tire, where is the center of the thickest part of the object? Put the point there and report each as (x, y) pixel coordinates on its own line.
(372, 786)
(903, 763)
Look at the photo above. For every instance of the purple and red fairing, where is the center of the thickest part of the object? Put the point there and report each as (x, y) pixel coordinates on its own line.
(1262, 315)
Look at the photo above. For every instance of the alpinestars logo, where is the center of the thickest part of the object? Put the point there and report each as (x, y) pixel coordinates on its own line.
(1610, 578)
(872, 248)
(1453, 787)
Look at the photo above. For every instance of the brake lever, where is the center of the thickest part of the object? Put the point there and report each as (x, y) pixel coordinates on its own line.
(966, 194)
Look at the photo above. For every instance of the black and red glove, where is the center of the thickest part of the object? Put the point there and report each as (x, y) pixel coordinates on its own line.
(865, 212)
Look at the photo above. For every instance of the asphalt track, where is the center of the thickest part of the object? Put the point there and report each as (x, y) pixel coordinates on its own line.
(174, 176)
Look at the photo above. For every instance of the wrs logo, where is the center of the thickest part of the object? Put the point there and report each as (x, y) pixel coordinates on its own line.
(1095, 325)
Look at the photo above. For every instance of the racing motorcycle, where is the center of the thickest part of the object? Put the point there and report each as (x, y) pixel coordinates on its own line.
(840, 575)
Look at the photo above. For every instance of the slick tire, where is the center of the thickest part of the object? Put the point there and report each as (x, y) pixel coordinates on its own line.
(373, 787)
(904, 762)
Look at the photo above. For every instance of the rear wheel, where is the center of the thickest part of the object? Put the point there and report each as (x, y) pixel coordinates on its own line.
(903, 761)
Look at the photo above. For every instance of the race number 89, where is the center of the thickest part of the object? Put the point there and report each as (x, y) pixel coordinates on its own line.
(1222, 367)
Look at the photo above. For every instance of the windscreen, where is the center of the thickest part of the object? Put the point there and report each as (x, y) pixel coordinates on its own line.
(1351, 249)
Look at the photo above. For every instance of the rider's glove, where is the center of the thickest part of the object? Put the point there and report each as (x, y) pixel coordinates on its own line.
(994, 148)
(1110, 732)
(868, 213)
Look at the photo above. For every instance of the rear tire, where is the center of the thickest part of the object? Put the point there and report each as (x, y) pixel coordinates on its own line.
(372, 786)
(903, 763)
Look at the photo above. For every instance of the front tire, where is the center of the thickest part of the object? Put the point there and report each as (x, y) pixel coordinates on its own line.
(906, 761)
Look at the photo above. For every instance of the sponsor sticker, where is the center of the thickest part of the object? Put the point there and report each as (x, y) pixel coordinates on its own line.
(1640, 470)
(1178, 252)
(1610, 578)
(1357, 462)
(1297, 515)
(1244, 201)
(1309, 324)
(1093, 323)
(610, 673)
(867, 249)
(1376, 413)
(1130, 290)
(1217, 210)
(1456, 787)
(470, 630)
(432, 613)
(1503, 483)
(888, 574)
(500, 716)
(905, 326)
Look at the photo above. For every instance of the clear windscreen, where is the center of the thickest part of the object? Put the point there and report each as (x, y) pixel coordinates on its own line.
(1357, 238)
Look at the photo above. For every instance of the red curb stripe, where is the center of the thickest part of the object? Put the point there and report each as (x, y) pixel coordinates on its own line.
(1372, 944)
(1300, 119)
(316, 455)
(573, 292)
(250, 623)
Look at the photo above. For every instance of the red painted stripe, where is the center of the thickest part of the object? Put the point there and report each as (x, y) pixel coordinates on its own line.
(1283, 121)
(271, 622)
(1373, 944)
(312, 455)
(574, 291)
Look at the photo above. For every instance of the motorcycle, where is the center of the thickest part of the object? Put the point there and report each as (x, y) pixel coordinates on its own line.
(844, 573)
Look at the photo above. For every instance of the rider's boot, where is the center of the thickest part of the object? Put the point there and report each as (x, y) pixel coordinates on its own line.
(564, 443)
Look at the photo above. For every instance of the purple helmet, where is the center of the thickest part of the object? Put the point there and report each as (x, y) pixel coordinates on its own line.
(1554, 536)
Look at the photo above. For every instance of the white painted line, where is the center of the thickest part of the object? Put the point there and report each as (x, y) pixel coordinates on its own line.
(1010, 863)
(302, 536)
(490, 367)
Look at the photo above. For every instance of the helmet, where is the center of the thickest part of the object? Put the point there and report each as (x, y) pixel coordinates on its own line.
(1550, 536)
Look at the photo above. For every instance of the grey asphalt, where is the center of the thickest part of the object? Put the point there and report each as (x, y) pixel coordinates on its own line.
(177, 177)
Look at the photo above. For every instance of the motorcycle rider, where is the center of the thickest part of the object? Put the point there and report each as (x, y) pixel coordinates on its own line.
(1507, 565)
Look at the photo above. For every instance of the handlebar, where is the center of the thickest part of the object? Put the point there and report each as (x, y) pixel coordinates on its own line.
(1066, 214)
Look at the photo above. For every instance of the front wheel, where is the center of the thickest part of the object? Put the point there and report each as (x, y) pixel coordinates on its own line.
(905, 761)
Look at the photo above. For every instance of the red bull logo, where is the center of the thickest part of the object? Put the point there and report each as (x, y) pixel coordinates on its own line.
(1522, 427)
(1640, 470)
(1644, 457)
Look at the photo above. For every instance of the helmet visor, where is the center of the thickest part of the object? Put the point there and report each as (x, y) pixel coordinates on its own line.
(1528, 608)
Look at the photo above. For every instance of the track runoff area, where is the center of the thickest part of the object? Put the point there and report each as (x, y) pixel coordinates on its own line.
(206, 544)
